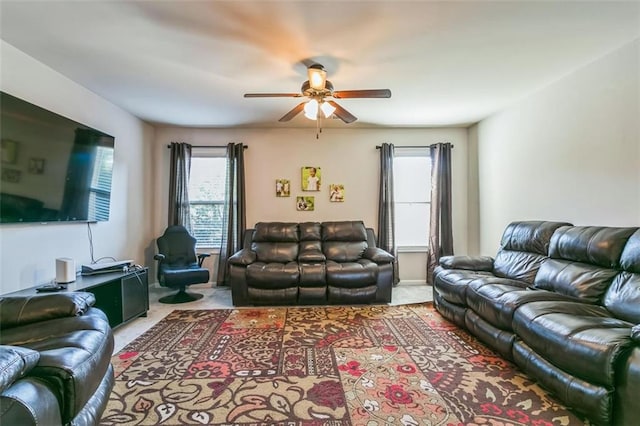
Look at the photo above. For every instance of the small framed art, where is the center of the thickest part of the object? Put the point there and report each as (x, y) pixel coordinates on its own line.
(283, 188)
(336, 193)
(311, 178)
(305, 204)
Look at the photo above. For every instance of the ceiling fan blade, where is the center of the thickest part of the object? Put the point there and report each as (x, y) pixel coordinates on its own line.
(342, 113)
(273, 95)
(295, 111)
(373, 93)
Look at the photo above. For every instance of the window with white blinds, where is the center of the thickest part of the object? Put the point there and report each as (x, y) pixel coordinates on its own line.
(207, 195)
(100, 190)
(412, 196)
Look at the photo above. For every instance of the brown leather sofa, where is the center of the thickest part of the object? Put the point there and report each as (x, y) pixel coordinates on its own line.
(310, 263)
(55, 360)
(563, 303)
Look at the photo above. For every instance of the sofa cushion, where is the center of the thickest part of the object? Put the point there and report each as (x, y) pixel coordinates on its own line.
(529, 236)
(523, 248)
(311, 252)
(352, 274)
(623, 296)
(496, 300)
(470, 263)
(15, 362)
(595, 245)
(276, 232)
(273, 275)
(16, 311)
(451, 284)
(351, 295)
(344, 231)
(582, 281)
(581, 339)
(344, 251)
(281, 252)
(310, 231)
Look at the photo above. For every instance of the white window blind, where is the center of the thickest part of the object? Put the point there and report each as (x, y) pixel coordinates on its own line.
(207, 196)
(412, 196)
(100, 190)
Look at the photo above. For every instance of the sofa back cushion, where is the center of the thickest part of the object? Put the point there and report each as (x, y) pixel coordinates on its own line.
(275, 242)
(344, 241)
(623, 296)
(523, 248)
(310, 243)
(583, 261)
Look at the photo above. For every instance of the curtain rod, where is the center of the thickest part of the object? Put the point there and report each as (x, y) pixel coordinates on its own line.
(211, 146)
(412, 146)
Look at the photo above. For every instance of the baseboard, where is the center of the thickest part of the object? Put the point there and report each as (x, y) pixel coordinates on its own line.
(412, 282)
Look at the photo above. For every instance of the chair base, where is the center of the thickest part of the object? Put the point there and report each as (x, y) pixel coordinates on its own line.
(180, 297)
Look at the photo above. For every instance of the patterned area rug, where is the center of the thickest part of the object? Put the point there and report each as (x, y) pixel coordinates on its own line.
(334, 366)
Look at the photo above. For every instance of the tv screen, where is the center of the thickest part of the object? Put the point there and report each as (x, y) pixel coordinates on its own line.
(53, 169)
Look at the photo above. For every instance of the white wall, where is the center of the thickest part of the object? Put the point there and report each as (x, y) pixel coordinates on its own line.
(569, 152)
(28, 252)
(347, 156)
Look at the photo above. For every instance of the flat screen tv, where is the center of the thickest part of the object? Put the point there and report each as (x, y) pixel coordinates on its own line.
(53, 169)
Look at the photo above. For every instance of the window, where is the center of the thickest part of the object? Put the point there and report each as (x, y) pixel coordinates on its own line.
(412, 192)
(206, 195)
(100, 190)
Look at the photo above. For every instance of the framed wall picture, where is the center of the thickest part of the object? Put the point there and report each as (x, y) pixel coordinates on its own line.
(9, 151)
(305, 204)
(283, 188)
(336, 193)
(36, 166)
(311, 178)
(11, 175)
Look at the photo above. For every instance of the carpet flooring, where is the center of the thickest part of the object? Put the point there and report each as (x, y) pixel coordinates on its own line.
(334, 366)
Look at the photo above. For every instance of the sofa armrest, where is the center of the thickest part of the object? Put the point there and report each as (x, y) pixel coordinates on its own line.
(377, 255)
(635, 333)
(243, 257)
(15, 362)
(21, 310)
(470, 263)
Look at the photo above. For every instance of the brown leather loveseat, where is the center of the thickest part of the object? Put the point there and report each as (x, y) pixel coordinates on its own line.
(563, 303)
(310, 263)
(55, 360)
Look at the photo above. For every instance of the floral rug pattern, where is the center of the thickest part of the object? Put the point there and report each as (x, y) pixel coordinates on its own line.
(333, 366)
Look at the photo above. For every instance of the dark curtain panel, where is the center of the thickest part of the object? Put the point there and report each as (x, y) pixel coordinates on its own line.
(386, 207)
(234, 219)
(77, 190)
(440, 229)
(179, 185)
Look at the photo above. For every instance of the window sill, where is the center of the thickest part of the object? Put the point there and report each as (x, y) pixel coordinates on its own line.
(211, 250)
(413, 249)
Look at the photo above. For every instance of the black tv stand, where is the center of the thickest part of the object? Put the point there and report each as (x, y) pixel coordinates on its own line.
(122, 296)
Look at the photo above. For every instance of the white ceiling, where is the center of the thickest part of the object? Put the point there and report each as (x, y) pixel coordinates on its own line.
(190, 62)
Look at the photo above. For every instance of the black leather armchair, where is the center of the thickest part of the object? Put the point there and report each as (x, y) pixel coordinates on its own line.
(178, 264)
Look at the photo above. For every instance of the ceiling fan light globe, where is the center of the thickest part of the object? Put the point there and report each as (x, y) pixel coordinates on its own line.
(317, 77)
(311, 109)
(327, 109)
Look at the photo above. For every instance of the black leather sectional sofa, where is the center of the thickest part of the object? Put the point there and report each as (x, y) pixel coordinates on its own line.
(310, 263)
(563, 303)
(55, 360)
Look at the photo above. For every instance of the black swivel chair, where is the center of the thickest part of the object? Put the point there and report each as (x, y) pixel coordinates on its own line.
(178, 265)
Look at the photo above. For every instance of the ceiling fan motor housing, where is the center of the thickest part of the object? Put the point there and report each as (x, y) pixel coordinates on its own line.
(307, 90)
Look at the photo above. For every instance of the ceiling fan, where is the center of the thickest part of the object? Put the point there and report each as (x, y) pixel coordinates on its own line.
(319, 92)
